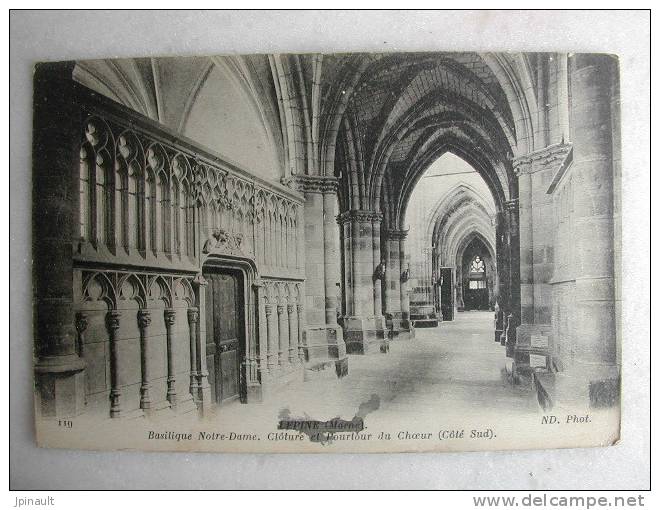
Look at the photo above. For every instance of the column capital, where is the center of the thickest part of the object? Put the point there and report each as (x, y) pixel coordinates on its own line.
(144, 318)
(112, 319)
(362, 215)
(199, 280)
(170, 316)
(312, 183)
(193, 315)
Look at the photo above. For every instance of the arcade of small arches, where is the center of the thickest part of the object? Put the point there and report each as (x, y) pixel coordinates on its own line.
(212, 228)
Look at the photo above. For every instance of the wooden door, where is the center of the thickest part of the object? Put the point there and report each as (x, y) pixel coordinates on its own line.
(224, 334)
(476, 299)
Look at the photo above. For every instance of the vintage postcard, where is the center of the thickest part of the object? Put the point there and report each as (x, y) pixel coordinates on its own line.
(355, 252)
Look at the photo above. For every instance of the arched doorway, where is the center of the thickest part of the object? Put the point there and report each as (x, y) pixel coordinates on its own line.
(228, 329)
(225, 332)
(392, 119)
(477, 277)
(449, 208)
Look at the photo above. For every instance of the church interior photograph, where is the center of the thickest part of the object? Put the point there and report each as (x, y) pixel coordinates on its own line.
(214, 231)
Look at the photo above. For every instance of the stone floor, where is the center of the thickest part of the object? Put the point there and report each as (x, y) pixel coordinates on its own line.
(453, 369)
(444, 390)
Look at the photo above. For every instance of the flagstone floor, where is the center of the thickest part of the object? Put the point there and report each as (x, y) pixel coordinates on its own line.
(456, 368)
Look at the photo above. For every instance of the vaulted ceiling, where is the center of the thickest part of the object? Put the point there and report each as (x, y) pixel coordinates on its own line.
(377, 121)
(404, 111)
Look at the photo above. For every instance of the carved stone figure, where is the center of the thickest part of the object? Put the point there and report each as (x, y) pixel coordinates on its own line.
(214, 240)
(379, 273)
(220, 237)
(223, 242)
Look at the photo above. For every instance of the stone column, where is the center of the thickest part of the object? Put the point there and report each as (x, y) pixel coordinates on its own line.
(193, 322)
(394, 276)
(595, 326)
(252, 355)
(346, 267)
(112, 323)
(57, 133)
(315, 280)
(541, 134)
(201, 373)
(404, 272)
(378, 291)
(378, 277)
(562, 96)
(283, 337)
(536, 173)
(81, 327)
(144, 320)
(170, 319)
(513, 251)
(523, 171)
(501, 248)
(546, 166)
(364, 330)
(262, 355)
(293, 334)
(301, 345)
(362, 303)
(271, 340)
(330, 255)
(323, 344)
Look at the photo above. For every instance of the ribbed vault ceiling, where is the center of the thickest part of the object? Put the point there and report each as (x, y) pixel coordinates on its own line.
(376, 120)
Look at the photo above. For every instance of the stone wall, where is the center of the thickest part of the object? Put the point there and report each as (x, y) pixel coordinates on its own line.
(150, 210)
(131, 323)
(569, 244)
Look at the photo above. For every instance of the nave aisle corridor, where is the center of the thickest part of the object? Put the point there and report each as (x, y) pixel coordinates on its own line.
(455, 369)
